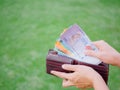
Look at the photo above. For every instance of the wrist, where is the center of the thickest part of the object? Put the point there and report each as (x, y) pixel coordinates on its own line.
(117, 63)
(99, 83)
(96, 79)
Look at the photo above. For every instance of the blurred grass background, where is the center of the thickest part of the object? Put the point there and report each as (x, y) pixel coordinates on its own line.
(28, 28)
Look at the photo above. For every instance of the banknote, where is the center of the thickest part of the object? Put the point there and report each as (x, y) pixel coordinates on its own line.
(72, 42)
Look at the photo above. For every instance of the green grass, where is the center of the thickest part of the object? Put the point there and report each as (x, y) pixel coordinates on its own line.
(28, 28)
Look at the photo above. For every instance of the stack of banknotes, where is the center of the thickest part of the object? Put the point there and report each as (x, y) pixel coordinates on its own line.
(72, 43)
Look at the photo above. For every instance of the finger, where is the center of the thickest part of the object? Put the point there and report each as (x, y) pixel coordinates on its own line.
(70, 67)
(99, 43)
(67, 83)
(60, 74)
(92, 53)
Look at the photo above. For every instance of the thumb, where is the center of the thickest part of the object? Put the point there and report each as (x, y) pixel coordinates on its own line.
(70, 67)
(92, 53)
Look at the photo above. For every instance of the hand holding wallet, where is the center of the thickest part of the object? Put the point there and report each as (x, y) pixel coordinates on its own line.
(55, 61)
(69, 49)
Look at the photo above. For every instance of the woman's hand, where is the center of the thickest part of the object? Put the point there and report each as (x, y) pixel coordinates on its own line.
(105, 53)
(82, 76)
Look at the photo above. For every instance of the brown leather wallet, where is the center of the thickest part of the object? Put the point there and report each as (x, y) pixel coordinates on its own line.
(54, 62)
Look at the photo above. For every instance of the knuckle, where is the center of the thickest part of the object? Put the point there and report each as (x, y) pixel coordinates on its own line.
(71, 78)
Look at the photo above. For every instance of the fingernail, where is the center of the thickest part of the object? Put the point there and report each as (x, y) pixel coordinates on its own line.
(51, 71)
(64, 65)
